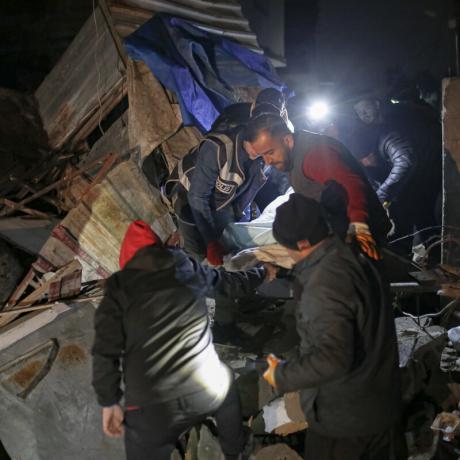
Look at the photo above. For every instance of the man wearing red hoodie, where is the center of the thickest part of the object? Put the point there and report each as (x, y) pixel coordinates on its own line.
(321, 168)
(153, 323)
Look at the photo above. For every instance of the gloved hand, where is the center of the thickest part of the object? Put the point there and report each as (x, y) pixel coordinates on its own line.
(215, 253)
(450, 359)
(360, 232)
(269, 374)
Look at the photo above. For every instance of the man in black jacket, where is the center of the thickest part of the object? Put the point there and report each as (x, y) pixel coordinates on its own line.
(153, 320)
(400, 148)
(347, 367)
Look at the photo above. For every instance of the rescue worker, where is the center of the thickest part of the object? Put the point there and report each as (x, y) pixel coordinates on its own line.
(215, 185)
(347, 365)
(321, 168)
(401, 150)
(154, 321)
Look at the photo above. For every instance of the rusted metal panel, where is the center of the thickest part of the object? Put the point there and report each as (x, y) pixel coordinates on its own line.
(86, 76)
(223, 17)
(451, 171)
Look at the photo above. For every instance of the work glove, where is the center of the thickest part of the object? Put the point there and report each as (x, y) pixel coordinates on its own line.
(269, 374)
(215, 253)
(359, 232)
(450, 359)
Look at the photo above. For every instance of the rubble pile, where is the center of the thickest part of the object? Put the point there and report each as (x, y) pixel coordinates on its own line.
(83, 160)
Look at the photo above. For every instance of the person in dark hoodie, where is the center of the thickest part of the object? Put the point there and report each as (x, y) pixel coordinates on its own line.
(347, 366)
(153, 321)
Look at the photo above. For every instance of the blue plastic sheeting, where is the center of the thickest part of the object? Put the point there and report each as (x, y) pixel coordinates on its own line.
(200, 67)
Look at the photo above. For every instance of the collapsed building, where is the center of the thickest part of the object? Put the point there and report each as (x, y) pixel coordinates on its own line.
(84, 158)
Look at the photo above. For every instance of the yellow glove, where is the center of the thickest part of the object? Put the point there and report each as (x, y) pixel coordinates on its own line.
(360, 232)
(269, 374)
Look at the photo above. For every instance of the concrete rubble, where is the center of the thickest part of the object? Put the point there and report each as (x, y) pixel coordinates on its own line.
(92, 182)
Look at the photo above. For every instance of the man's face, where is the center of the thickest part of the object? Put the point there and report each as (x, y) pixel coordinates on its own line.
(368, 111)
(274, 151)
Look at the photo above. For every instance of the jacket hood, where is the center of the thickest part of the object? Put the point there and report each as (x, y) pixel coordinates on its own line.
(138, 236)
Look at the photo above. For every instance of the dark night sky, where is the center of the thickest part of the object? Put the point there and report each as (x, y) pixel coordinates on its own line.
(364, 43)
(353, 42)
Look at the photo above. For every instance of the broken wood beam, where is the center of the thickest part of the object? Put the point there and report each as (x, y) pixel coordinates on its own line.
(26, 309)
(106, 167)
(13, 206)
(19, 206)
(68, 269)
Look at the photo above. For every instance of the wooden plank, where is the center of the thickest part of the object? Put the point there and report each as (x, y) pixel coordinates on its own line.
(39, 293)
(13, 206)
(22, 286)
(89, 69)
(45, 306)
(66, 179)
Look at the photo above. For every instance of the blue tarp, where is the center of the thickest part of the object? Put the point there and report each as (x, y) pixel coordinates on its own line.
(200, 67)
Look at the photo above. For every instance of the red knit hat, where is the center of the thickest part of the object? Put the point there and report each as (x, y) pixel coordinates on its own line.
(138, 236)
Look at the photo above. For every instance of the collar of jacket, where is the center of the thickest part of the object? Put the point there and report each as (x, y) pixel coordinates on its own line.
(312, 259)
(294, 152)
(152, 258)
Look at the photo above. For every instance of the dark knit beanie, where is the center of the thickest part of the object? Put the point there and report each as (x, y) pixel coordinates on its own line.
(300, 218)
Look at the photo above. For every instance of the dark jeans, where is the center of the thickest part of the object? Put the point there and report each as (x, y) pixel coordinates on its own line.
(389, 445)
(151, 432)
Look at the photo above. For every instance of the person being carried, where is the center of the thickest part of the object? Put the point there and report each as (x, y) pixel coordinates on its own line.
(153, 320)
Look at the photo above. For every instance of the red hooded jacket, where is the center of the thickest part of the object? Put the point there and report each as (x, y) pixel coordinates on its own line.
(138, 235)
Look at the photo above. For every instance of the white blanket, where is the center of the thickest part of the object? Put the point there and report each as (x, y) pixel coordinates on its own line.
(255, 240)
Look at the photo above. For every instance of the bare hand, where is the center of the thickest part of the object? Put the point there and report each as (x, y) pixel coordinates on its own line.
(270, 272)
(174, 239)
(112, 421)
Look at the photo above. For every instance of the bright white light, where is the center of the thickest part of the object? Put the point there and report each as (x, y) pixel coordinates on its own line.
(394, 101)
(318, 110)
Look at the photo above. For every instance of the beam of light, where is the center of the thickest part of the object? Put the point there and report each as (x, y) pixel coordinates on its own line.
(318, 111)
(213, 376)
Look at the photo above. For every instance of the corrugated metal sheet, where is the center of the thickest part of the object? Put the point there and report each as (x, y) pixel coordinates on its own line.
(224, 17)
(85, 84)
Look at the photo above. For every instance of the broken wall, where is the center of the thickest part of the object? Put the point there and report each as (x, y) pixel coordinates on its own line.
(451, 171)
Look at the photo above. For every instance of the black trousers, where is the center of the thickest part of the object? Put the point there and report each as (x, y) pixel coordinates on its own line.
(151, 432)
(389, 445)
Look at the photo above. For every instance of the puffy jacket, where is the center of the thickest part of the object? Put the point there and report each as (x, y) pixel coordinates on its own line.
(347, 367)
(154, 321)
(413, 157)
